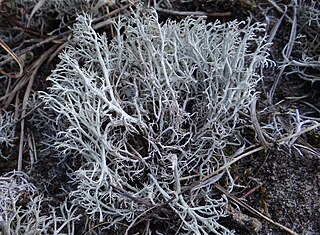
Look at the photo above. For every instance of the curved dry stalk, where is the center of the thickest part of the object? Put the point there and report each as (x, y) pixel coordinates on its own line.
(256, 125)
(35, 67)
(253, 211)
(15, 57)
(308, 129)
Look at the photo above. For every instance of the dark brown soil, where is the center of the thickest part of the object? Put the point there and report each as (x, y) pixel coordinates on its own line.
(280, 183)
(285, 188)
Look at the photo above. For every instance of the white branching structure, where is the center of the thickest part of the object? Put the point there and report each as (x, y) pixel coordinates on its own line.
(21, 209)
(152, 112)
(7, 131)
(305, 59)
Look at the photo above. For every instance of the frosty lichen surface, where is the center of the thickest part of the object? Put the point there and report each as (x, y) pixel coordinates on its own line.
(308, 66)
(21, 209)
(153, 111)
(7, 131)
(304, 60)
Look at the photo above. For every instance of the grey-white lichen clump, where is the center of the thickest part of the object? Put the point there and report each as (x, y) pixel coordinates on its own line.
(153, 111)
(22, 210)
(305, 59)
(7, 130)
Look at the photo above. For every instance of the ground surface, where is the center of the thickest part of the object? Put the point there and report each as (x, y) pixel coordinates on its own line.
(280, 183)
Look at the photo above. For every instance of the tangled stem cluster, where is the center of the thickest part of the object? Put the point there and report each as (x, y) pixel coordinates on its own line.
(153, 111)
(21, 209)
(7, 131)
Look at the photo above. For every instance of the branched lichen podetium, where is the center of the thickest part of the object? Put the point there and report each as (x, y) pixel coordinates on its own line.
(152, 111)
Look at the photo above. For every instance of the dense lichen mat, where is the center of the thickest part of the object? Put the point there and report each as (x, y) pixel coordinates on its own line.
(146, 124)
(153, 111)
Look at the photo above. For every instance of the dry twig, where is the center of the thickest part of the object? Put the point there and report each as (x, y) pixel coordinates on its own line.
(15, 57)
(192, 13)
(252, 210)
(35, 67)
